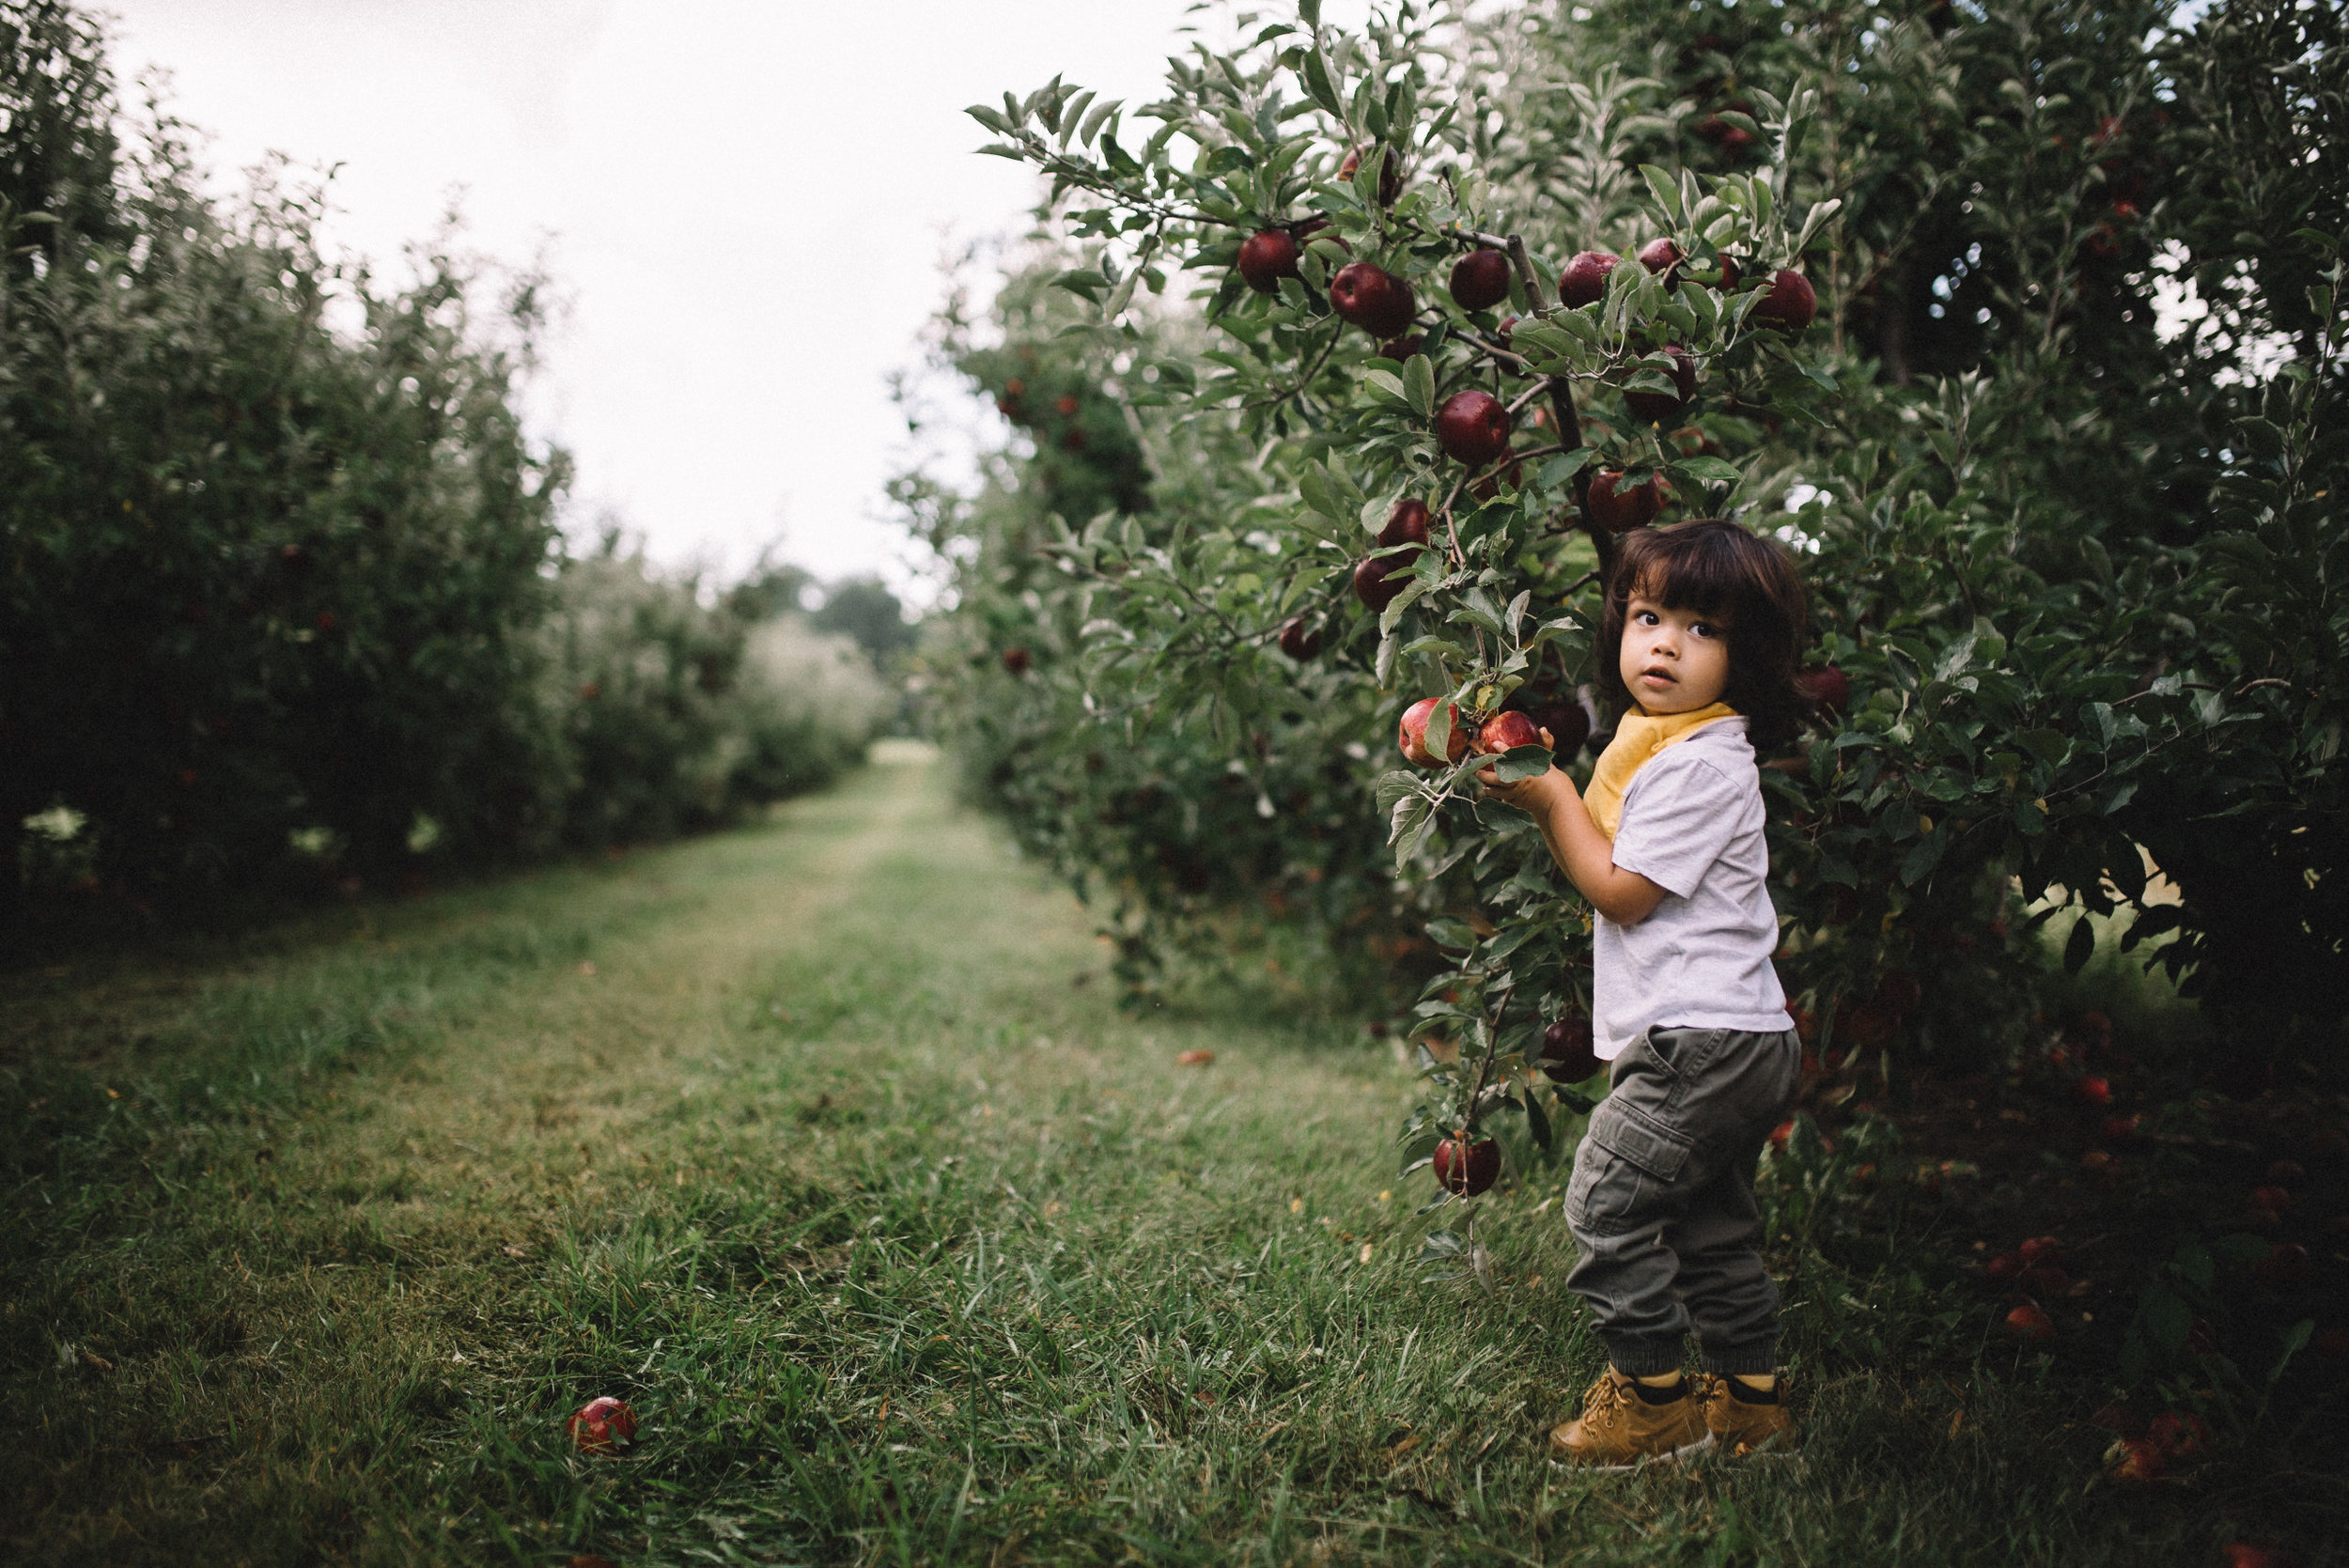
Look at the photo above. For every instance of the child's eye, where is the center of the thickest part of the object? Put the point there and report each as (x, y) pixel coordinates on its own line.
(1705, 628)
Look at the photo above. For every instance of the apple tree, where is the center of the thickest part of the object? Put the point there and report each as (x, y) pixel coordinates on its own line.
(1408, 325)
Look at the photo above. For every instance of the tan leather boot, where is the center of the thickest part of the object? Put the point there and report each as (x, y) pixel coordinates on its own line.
(1618, 1429)
(1743, 1429)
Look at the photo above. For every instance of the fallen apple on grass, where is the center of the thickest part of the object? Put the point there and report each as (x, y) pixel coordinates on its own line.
(2030, 1323)
(2179, 1433)
(2134, 1459)
(602, 1426)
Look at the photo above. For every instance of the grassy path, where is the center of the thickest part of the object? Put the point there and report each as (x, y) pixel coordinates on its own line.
(825, 1144)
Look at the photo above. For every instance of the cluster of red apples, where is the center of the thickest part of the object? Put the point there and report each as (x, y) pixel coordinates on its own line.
(1473, 426)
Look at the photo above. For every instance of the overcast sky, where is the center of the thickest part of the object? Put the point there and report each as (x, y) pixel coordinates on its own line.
(746, 203)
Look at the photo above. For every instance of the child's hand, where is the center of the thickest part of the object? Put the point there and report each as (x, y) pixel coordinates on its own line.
(1527, 795)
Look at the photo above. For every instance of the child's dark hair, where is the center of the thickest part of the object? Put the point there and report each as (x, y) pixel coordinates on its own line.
(1718, 568)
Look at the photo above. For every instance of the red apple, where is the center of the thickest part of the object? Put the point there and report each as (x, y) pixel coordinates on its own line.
(2030, 1323)
(1399, 348)
(1780, 1134)
(1790, 302)
(1568, 725)
(1267, 256)
(1505, 731)
(1566, 1053)
(2285, 1265)
(2135, 1459)
(1728, 137)
(1405, 525)
(1584, 281)
(2041, 1248)
(1411, 734)
(1472, 428)
(2275, 1200)
(2094, 1090)
(602, 1425)
(2045, 1279)
(1379, 580)
(1015, 660)
(2178, 1434)
(2005, 1266)
(1824, 686)
(1657, 408)
(1373, 298)
(1390, 175)
(1619, 512)
(1479, 280)
(1299, 639)
(1660, 256)
(1467, 1173)
(2242, 1554)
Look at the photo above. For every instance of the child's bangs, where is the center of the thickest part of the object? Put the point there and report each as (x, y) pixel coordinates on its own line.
(1700, 571)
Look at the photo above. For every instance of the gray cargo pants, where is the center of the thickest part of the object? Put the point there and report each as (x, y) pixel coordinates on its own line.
(1661, 1200)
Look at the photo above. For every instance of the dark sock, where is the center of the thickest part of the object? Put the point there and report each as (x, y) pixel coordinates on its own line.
(1743, 1395)
(1677, 1389)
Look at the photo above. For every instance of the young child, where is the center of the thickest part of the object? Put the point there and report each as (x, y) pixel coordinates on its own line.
(1703, 622)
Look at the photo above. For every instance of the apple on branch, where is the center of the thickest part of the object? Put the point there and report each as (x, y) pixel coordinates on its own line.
(1479, 280)
(1464, 1172)
(1472, 428)
(1411, 734)
(1584, 281)
(1373, 298)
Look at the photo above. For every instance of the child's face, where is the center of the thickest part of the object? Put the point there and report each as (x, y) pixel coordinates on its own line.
(1672, 660)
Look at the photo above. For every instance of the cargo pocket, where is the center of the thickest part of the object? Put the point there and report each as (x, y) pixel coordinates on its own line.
(1628, 1161)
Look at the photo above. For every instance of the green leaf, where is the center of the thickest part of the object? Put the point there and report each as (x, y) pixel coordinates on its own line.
(1439, 726)
(1450, 934)
(2078, 945)
(1318, 85)
(1563, 467)
(1419, 384)
(1522, 762)
(1666, 189)
(1537, 1122)
(1711, 471)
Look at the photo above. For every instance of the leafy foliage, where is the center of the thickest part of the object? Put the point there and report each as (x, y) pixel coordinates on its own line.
(2058, 452)
(283, 588)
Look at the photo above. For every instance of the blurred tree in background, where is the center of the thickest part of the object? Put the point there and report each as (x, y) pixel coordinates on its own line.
(283, 598)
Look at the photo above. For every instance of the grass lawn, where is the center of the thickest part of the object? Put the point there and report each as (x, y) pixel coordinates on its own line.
(825, 1144)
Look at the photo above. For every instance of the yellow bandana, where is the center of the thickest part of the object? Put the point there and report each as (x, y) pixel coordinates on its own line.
(1637, 738)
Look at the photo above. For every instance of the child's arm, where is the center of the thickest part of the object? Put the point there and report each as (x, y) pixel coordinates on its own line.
(1581, 851)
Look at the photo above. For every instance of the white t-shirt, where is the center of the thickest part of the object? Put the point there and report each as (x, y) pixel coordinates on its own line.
(1692, 825)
